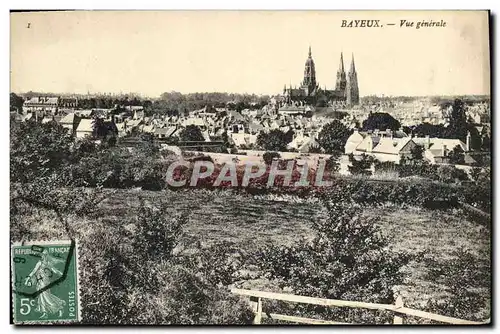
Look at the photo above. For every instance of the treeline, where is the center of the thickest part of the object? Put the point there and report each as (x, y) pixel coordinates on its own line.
(181, 103)
(171, 103)
(443, 101)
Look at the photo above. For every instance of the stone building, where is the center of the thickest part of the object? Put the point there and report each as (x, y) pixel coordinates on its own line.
(310, 93)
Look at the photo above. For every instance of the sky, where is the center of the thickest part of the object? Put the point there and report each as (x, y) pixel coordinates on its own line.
(151, 52)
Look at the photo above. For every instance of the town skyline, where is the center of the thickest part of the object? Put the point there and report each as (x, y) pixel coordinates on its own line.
(140, 52)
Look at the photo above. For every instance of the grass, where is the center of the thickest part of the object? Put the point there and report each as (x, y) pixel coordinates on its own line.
(216, 216)
(439, 235)
(249, 222)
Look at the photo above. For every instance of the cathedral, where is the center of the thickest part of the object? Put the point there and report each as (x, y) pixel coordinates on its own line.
(346, 87)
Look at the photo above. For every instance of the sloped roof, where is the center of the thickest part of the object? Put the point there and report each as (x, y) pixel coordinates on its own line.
(86, 125)
(194, 121)
(438, 143)
(68, 119)
(307, 144)
(236, 115)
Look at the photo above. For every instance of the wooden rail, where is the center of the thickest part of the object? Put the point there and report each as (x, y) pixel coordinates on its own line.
(398, 308)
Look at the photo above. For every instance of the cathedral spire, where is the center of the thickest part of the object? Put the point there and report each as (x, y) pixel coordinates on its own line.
(352, 89)
(353, 68)
(341, 66)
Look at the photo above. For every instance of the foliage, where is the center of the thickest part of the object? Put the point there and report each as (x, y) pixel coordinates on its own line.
(191, 133)
(268, 157)
(417, 153)
(458, 121)
(225, 140)
(332, 163)
(381, 121)
(348, 259)
(275, 140)
(463, 275)
(16, 102)
(448, 174)
(38, 149)
(427, 129)
(456, 156)
(333, 136)
(361, 165)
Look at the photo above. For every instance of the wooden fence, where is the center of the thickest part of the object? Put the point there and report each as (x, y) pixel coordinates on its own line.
(398, 308)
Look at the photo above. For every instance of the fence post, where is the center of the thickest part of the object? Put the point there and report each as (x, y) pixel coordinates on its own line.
(256, 304)
(399, 303)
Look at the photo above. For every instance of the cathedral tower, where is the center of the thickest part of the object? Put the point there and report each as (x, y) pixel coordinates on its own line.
(309, 82)
(352, 90)
(341, 82)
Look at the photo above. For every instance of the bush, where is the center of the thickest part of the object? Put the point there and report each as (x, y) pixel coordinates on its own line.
(268, 157)
(449, 174)
(466, 281)
(136, 278)
(348, 259)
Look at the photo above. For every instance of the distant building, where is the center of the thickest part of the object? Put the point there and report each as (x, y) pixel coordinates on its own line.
(346, 86)
(41, 104)
(51, 105)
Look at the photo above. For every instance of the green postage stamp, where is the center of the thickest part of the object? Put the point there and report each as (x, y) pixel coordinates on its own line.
(45, 282)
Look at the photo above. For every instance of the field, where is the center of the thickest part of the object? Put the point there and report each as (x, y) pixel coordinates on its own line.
(250, 222)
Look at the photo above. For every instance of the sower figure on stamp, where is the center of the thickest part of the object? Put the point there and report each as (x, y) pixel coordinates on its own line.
(43, 274)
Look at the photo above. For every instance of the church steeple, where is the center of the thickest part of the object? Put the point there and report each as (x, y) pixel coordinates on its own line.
(352, 89)
(309, 82)
(341, 82)
(353, 67)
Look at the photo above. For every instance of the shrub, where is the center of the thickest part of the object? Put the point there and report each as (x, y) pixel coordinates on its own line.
(268, 157)
(348, 259)
(449, 174)
(466, 280)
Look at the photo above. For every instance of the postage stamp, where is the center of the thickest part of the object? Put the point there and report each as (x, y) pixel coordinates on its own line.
(45, 282)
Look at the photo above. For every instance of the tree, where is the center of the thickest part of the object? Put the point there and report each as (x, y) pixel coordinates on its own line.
(381, 121)
(268, 157)
(449, 174)
(456, 156)
(458, 122)
(486, 144)
(333, 137)
(431, 130)
(225, 140)
(361, 166)
(475, 137)
(16, 102)
(349, 258)
(38, 150)
(275, 140)
(191, 133)
(417, 153)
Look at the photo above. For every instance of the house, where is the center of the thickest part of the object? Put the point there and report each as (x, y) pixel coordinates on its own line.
(382, 145)
(85, 128)
(353, 141)
(70, 122)
(86, 113)
(40, 103)
(198, 121)
(436, 150)
(163, 133)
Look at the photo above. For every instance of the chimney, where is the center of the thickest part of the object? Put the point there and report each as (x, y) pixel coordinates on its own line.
(467, 144)
(443, 152)
(427, 142)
